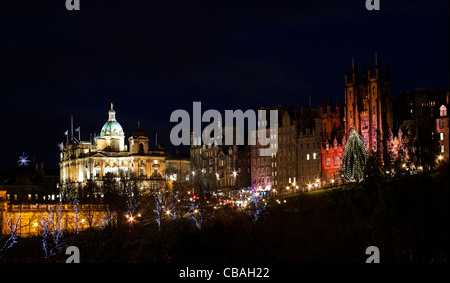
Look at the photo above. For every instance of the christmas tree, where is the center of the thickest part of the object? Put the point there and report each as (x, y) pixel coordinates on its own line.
(354, 158)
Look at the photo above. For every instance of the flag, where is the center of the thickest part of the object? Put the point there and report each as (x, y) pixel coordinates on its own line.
(66, 133)
(77, 129)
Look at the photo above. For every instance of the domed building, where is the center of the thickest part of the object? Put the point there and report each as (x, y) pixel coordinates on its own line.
(112, 136)
(108, 153)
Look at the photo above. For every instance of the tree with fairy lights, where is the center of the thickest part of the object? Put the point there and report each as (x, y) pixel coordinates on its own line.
(354, 158)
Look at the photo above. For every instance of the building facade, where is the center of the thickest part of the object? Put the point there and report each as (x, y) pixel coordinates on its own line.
(220, 167)
(263, 168)
(332, 143)
(309, 155)
(108, 153)
(31, 185)
(442, 130)
(368, 103)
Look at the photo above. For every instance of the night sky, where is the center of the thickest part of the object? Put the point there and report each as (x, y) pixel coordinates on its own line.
(152, 57)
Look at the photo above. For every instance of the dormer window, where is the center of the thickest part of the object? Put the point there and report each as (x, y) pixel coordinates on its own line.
(443, 111)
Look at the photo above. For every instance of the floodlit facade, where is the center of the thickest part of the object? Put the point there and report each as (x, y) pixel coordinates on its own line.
(108, 153)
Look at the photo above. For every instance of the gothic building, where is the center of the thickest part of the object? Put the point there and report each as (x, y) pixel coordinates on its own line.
(368, 101)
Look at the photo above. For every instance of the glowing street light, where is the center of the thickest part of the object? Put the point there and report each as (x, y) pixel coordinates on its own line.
(440, 157)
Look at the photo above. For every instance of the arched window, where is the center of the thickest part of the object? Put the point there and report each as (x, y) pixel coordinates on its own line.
(141, 147)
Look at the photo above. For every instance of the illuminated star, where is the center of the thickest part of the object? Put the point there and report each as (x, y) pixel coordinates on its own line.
(23, 160)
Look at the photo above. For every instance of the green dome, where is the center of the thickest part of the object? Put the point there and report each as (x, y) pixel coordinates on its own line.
(112, 127)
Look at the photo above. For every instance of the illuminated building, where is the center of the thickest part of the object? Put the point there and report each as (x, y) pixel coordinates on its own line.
(443, 130)
(108, 153)
(309, 154)
(332, 141)
(368, 101)
(28, 220)
(221, 167)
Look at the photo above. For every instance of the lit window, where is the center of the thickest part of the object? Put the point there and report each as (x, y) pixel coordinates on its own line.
(443, 111)
(328, 161)
(441, 136)
(307, 156)
(336, 161)
(314, 155)
(442, 149)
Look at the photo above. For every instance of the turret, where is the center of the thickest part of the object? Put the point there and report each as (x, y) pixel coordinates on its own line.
(347, 75)
(388, 70)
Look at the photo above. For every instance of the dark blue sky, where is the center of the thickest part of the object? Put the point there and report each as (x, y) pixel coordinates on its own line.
(153, 57)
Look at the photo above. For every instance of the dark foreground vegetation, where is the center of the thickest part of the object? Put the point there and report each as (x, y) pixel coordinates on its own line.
(406, 218)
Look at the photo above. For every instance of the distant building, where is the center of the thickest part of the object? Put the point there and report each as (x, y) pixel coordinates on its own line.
(108, 153)
(30, 184)
(332, 143)
(178, 167)
(442, 129)
(220, 167)
(427, 108)
(263, 168)
(368, 103)
(286, 157)
(28, 220)
(309, 155)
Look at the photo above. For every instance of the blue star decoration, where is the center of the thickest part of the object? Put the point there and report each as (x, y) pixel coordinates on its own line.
(23, 160)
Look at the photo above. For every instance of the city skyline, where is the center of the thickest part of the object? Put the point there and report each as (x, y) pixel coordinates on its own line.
(151, 60)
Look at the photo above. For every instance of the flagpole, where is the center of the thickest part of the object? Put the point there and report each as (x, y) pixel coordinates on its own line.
(71, 126)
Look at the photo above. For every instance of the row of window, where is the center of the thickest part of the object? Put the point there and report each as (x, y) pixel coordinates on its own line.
(328, 161)
(30, 197)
